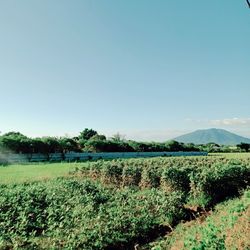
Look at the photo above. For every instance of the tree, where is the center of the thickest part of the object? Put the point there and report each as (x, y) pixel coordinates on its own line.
(15, 142)
(96, 146)
(139, 146)
(51, 145)
(86, 134)
(118, 137)
(191, 147)
(175, 146)
(39, 146)
(244, 146)
(68, 144)
(98, 137)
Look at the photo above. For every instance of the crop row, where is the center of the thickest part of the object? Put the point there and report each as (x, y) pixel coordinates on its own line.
(74, 214)
(114, 204)
(204, 180)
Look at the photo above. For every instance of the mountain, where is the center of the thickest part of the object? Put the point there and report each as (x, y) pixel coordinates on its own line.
(219, 136)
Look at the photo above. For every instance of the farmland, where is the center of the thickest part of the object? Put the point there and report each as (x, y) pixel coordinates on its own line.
(35, 172)
(121, 204)
(226, 227)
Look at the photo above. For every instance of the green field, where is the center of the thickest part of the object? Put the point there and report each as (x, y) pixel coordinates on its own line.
(232, 155)
(124, 203)
(18, 173)
(35, 172)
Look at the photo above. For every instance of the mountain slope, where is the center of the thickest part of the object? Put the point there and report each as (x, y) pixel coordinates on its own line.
(219, 136)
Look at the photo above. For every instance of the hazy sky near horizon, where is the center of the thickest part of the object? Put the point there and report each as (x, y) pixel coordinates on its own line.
(150, 70)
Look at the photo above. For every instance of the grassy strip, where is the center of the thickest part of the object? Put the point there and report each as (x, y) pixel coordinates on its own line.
(34, 172)
(232, 155)
(226, 228)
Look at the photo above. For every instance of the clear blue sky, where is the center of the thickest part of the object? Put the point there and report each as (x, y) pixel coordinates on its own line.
(148, 69)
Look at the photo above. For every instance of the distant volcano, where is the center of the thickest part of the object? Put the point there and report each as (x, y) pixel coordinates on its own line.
(218, 136)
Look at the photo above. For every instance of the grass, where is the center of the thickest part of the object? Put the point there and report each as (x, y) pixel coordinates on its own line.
(26, 172)
(76, 213)
(35, 172)
(232, 155)
(19, 173)
(227, 227)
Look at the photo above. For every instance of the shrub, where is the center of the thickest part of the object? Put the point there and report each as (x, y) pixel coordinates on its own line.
(151, 177)
(211, 185)
(176, 179)
(112, 173)
(131, 176)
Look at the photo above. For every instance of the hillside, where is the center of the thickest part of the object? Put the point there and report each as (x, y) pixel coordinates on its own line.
(219, 136)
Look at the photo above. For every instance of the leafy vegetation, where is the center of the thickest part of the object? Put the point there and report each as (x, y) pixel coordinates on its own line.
(204, 180)
(82, 214)
(227, 227)
(90, 141)
(87, 141)
(117, 204)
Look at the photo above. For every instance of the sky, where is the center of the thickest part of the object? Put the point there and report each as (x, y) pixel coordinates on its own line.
(150, 70)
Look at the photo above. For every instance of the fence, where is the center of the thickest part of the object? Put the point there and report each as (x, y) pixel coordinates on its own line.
(73, 156)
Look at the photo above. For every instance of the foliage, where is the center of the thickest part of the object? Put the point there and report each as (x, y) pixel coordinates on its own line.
(90, 141)
(209, 186)
(177, 179)
(87, 141)
(86, 134)
(204, 180)
(81, 214)
(15, 141)
(120, 203)
(225, 228)
(244, 146)
(68, 145)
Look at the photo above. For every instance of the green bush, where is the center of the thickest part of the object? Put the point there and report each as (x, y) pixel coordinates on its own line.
(176, 179)
(151, 177)
(112, 173)
(131, 176)
(72, 213)
(68, 213)
(212, 185)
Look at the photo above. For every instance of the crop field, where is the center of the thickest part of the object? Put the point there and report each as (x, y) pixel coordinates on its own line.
(28, 172)
(125, 204)
(227, 227)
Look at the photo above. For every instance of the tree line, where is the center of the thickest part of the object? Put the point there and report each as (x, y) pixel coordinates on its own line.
(87, 141)
(90, 141)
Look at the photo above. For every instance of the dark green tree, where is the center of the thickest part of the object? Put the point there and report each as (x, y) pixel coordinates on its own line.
(175, 146)
(52, 145)
(244, 146)
(86, 134)
(15, 142)
(68, 145)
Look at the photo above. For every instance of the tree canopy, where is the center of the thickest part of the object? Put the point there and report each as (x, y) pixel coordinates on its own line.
(90, 141)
